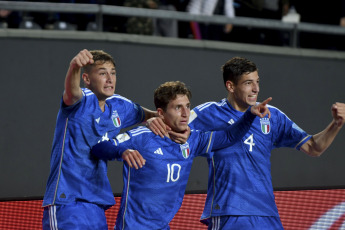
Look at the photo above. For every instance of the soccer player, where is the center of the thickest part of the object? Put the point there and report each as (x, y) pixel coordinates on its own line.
(78, 191)
(153, 194)
(240, 192)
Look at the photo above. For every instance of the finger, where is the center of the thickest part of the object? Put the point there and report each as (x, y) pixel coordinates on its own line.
(161, 126)
(155, 130)
(78, 62)
(128, 161)
(269, 113)
(265, 102)
(133, 161)
(141, 161)
(167, 127)
(86, 57)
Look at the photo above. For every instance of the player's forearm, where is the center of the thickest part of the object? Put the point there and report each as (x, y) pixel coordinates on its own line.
(233, 133)
(73, 91)
(318, 144)
(106, 150)
(149, 113)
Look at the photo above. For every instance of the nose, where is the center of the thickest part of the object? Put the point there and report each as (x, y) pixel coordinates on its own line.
(109, 77)
(256, 87)
(185, 111)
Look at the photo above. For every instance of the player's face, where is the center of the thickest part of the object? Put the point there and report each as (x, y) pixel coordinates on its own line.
(177, 113)
(246, 91)
(102, 80)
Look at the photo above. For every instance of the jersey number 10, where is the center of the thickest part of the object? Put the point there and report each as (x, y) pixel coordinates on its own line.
(172, 176)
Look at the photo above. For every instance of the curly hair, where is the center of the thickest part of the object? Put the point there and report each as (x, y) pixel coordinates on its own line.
(168, 91)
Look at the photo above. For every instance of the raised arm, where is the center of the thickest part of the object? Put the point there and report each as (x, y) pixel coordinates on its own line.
(319, 142)
(73, 92)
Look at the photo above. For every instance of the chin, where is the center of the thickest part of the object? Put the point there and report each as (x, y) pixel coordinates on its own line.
(251, 103)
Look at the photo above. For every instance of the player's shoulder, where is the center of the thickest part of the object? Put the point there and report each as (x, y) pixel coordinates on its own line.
(117, 97)
(140, 131)
(274, 110)
(210, 105)
(87, 92)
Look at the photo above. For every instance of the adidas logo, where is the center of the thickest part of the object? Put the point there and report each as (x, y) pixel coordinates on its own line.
(97, 120)
(159, 151)
(231, 121)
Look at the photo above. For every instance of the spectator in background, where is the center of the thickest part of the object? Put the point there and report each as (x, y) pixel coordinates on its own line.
(321, 12)
(52, 20)
(166, 27)
(140, 25)
(265, 9)
(9, 19)
(211, 7)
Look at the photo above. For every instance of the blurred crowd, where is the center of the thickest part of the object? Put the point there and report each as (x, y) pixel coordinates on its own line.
(320, 12)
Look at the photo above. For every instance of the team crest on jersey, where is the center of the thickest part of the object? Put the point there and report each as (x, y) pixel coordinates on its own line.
(116, 119)
(265, 125)
(185, 150)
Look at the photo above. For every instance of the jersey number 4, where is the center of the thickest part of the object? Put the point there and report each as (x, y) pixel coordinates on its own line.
(250, 141)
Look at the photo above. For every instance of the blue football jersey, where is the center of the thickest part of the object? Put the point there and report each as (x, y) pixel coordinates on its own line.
(239, 180)
(153, 194)
(74, 173)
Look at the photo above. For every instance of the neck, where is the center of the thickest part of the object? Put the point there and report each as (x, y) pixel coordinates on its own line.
(235, 105)
(101, 105)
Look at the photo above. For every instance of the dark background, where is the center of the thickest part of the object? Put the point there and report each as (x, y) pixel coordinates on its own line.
(303, 83)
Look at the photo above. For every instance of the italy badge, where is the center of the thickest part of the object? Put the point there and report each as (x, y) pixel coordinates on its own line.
(185, 150)
(116, 119)
(265, 125)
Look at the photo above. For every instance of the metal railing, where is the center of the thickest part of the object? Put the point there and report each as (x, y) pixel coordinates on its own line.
(100, 10)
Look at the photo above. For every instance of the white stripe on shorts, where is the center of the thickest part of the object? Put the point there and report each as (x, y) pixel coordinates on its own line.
(52, 217)
(215, 222)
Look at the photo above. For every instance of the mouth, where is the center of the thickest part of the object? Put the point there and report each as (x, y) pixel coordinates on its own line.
(109, 87)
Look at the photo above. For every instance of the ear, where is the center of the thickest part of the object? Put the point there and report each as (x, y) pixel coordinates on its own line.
(230, 86)
(160, 113)
(86, 79)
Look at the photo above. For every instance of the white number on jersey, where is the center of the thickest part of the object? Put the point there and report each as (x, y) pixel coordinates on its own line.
(250, 141)
(171, 172)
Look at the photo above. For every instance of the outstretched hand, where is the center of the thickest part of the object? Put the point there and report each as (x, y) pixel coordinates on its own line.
(133, 158)
(261, 109)
(338, 113)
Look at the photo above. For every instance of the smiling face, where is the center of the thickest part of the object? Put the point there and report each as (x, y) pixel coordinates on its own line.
(245, 92)
(176, 114)
(101, 80)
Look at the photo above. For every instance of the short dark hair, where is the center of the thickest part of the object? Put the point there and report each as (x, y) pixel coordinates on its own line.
(99, 57)
(234, 68)
(168, 91)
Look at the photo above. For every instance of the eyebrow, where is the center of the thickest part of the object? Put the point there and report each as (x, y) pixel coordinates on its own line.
(102, 68)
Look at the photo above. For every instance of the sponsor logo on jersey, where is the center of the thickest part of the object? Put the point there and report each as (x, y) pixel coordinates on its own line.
(97, 120)
(185, 150)
(265, 125)
(116, 119)
(159, 151)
